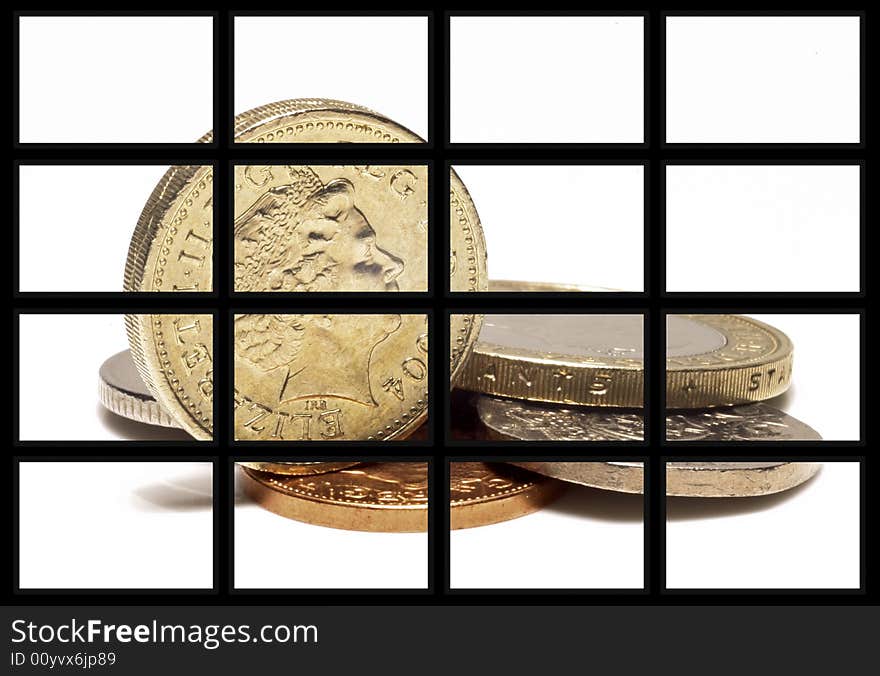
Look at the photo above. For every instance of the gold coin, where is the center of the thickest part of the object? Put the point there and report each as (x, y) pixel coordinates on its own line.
(716, 360)
(388, 497)
(510, 286)
(330, 377)
(297, 468)
(121, 390)
(173, 354)
(597, 360)
(688, 479)
(482, 493)
(331, 228)
(172, 246)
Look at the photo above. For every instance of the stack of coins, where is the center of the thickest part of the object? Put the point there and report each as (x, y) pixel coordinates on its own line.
(581, 378)
(392, 497)
(304, 228)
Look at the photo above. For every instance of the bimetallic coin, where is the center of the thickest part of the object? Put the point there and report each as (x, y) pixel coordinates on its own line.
(122, 391)
(173, 354)
(597, 360)
(717, 360)
(686, 479)
(297, 468)
(331, 228)
(482, 493)
(509, 419)
(330, 377)
(388, 497)
(577, 359)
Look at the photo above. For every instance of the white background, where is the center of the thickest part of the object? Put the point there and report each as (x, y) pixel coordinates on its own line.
(762, 79)
(115, 79)
(588, 538)
(807, 537)
(108, 525)
(562, 224)
(60, 355)
(567, 79)
(85, 248)
(824, 392)
(377, 62)
(274, 552)
(762, 228)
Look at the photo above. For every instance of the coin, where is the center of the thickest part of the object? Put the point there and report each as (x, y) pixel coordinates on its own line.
(330, 377)
(318, 121)
(484, 493)
(749, 422)
(467, 272)
(388, 497)
(297, 468)
(173, 355)
(716, 360)
(511, 286)
(172, 246)
(688, 479)
(331, 228)
(583, 359)
(121, 390)
(510, 419)
(597, 360)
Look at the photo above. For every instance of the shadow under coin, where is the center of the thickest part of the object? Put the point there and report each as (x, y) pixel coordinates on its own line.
(594, 503)
(188, 493)
(133, 430)
(679, 508)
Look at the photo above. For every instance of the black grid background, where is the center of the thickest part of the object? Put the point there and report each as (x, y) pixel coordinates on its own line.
(438, 303)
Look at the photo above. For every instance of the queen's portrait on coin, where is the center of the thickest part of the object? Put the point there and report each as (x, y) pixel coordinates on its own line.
(314, 355)
(307, 236)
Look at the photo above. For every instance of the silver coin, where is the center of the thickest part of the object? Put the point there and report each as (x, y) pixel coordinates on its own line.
(122, 391)
(528, 421)
(686, 479)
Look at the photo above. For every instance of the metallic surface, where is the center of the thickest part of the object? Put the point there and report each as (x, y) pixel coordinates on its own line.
(597, 360)
(297, 468)
(687, 479)
(330, 377)
(467, 272)
(388, 497)
(717, 360)
(173, 354)
(485, 493)
(121, 390)
(511, 286)
(301, 228)
(172, 246)
(509, 419)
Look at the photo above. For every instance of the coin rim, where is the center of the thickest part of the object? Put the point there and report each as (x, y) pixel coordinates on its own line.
(722, 384)
(134, 407)
(680, 481)
(509, 505)
(331, 514)
(142, 249)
